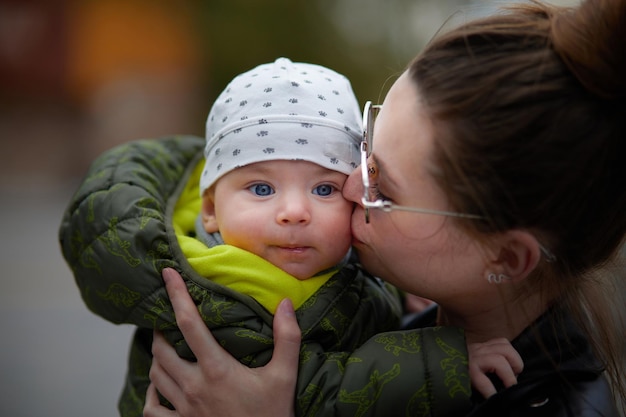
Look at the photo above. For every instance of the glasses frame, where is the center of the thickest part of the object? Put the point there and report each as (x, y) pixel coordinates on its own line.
(380, 204)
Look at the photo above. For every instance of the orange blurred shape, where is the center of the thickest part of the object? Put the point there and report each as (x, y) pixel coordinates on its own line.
(111, 39)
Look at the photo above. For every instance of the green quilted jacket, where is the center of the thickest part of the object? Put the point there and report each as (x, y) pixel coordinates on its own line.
(117, 236)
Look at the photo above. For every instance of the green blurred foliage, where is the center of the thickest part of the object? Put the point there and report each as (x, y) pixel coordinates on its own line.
(238, 35)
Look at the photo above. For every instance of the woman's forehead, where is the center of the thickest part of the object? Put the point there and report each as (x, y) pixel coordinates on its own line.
(403, 141)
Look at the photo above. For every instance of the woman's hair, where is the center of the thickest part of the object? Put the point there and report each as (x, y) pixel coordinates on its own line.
(529, 109)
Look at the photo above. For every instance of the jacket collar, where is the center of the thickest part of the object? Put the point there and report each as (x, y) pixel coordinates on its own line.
(554, 343)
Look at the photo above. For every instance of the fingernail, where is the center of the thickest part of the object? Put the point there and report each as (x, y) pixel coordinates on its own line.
(286, 307)
(167, 274)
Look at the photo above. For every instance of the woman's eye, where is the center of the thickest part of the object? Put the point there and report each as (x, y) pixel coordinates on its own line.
(323, 190)
(375, 191)
(261, 189)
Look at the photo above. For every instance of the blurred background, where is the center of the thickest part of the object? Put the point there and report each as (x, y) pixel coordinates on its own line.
(79, 77)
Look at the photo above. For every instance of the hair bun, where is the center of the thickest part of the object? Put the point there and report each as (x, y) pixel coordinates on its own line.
(591, 39)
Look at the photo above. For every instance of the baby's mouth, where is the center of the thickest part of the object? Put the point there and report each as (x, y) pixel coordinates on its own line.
(294, 248)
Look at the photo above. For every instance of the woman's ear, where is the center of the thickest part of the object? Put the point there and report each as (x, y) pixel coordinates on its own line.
(209, 221)
(519, 254)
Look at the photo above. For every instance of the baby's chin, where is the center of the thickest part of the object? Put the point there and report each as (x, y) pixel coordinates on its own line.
(301, 263)
(303, 273)
(299, 273)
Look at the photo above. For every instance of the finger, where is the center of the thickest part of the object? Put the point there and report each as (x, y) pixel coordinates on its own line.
(152, 399)
(514, 359)
(498, 365)
(482, 383)
(503, 347)
(285, 359)
(195, 332)
(287, 338)
(153, 408)
(168, 371)
(151, 404)
(167, 358)
(504, 371)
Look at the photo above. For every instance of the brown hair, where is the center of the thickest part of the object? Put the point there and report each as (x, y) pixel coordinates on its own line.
(529, 110)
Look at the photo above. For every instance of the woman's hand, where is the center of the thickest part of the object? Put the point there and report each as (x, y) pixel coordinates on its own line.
(218, 385)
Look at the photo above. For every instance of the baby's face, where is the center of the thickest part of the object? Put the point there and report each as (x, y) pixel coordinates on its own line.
(291, 213)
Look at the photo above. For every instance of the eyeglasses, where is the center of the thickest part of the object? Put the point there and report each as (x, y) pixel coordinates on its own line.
(370, 199)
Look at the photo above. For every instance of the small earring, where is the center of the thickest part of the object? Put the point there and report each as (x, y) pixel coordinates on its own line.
(497, 279)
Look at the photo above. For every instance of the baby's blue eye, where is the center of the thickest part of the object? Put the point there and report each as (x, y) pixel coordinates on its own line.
(323, 190)
(261, 189)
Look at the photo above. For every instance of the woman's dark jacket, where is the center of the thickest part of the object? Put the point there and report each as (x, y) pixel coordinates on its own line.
(561, 376)
(117, 236)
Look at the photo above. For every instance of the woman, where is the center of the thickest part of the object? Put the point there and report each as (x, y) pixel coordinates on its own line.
(496, 188)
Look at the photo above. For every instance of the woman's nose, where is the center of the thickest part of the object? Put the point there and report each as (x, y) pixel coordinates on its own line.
(353, 187)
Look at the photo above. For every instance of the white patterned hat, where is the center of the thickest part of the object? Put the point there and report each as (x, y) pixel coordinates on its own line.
(283, 111)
